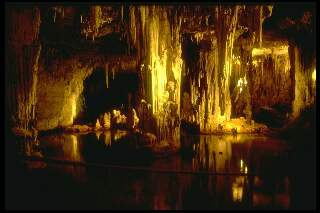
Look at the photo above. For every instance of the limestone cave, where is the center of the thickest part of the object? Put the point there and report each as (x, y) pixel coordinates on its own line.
(160, 105)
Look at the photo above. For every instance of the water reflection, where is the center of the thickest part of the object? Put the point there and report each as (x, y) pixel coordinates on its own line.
(259, 157)
(237, 189)
(212, 155)
(107, 138)
(62, 147)
(31, 148)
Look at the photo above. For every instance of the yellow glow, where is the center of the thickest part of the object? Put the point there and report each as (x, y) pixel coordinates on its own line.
(241, 82)
(107, 138)
(237, 193)
(119, 134)
(98, 126)
(158, 53)
(198, 36)
(314, 75)
(98, 135)
(73, 108)
(246, 170)
(236, 59)
(237, 189)
(75, 151)
(260, 51)
(159, 80)
(278, 50)
(241, 163)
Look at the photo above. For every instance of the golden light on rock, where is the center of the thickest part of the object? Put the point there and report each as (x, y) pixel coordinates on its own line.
(241, 83)
(73, 108)
(277, 50)
(314, 75)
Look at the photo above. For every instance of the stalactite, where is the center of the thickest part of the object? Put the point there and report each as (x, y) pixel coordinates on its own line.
(162, 56)
(303, 96)
(210, 91)
(54, 16)
(268, 90)
(107, 75)
(122, 13)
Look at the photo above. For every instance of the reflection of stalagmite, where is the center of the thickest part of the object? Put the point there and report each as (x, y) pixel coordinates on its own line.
(75, 151)
(107, 138)
(237, 189)
(213, 154)
(118, 134)
(98, 135)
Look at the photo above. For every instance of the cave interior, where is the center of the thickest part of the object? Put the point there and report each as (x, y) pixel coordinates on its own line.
(161, 73)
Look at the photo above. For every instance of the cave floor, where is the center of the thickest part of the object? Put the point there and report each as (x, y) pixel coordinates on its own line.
(106, 171)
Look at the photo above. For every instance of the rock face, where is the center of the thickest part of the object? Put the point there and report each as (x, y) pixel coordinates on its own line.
(58, 92)
(200, 65)
(61, 85)
(304, 93)
(78, 128)
(214, 66)
(22, 55)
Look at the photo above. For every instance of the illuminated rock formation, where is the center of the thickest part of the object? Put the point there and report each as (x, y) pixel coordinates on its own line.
(155, 33)
(200, 65)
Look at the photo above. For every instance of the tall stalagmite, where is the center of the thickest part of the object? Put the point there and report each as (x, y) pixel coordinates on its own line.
(155, 33)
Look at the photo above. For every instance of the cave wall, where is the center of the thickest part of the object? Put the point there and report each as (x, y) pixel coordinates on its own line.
(61, 84)
(271, 78)
(304, 86)
(58, 90)
(22, 55)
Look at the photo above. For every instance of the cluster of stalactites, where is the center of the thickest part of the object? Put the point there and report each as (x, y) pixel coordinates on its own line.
(155, 34)
(305, 82)
(210, 94)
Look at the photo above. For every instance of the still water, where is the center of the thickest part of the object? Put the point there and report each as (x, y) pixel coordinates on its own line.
(209, 172)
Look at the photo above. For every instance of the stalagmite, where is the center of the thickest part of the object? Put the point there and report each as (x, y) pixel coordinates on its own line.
(98, 126)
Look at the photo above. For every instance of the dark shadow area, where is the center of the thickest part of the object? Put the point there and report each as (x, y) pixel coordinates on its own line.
(103, 93)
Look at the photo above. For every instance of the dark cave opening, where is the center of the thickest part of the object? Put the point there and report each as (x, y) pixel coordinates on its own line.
(103, 93)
